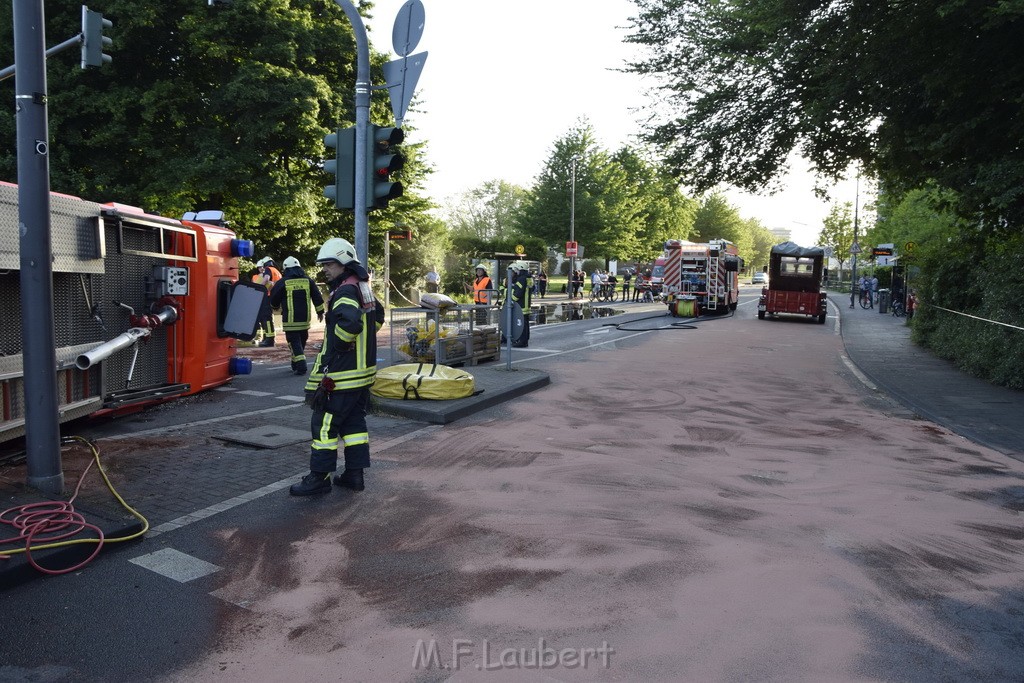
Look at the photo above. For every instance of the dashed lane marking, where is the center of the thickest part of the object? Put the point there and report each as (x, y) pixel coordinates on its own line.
(175, 565)
(251, 392)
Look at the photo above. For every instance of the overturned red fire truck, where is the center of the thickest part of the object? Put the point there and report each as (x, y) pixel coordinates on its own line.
(140, 306)
(701, 278)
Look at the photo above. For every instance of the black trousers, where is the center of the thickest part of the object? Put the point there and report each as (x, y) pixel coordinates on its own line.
(342, 424)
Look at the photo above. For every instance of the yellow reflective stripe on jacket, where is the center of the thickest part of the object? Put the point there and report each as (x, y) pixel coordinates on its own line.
(296, 287)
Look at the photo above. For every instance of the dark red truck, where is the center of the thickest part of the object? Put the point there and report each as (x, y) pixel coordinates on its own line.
(794, 282)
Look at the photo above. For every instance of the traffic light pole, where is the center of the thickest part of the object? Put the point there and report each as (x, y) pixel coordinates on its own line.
(38, 338)
(362, 123)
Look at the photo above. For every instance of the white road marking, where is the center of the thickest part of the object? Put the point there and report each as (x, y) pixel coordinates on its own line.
(250, 392)
(292, 398)
(206, 512)
(175, 565)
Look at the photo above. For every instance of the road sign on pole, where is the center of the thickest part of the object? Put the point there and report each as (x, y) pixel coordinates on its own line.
(570, 248)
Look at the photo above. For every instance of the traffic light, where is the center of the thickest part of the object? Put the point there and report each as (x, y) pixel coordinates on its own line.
(382, 160)
(93, 40)
(342, 167)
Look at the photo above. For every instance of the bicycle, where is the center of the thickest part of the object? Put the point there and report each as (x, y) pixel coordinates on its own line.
(865, 298)
(898, 310)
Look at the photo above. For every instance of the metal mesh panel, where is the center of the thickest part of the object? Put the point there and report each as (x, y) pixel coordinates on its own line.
(10, 314)
(73, 233)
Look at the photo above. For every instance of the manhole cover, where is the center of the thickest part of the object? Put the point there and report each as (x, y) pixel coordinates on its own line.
(267, 436)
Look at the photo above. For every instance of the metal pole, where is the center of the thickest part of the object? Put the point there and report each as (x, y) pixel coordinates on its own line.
(38, 339)
(362, 123)
(572, 225)
(853, 272)
(507, 313)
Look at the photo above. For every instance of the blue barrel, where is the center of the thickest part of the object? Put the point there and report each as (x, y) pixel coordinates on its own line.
(240, 366)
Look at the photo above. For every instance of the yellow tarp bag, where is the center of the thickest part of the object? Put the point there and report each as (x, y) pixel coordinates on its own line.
(417, 381)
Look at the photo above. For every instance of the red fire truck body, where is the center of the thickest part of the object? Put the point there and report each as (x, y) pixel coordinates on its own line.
(138, 304)
(701, 278)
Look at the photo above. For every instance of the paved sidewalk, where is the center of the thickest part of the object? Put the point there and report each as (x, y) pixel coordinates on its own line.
(880, 346)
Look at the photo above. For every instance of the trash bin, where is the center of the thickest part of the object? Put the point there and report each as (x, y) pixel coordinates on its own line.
(883, 301)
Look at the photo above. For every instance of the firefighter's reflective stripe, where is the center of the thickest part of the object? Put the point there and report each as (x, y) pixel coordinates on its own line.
(341, 333)
(357, 439)
(323, 440)
(297, 311)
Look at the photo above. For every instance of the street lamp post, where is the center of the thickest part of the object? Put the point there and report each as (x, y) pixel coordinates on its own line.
(572, 229)
(853, 268)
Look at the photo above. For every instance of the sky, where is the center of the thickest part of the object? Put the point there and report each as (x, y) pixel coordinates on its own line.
(503, 80)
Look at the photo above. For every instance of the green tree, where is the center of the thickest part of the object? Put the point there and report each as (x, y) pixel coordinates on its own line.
(837, 232)
(607, 221)
(762, 240)
(205, 107)
(487, 212)
(661, 210)
(716, 218)
(918, 92)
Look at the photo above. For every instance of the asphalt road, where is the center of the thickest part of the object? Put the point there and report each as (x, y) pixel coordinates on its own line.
(712, 501)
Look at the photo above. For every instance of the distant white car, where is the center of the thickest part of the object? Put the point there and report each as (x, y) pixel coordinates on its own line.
(759, 279)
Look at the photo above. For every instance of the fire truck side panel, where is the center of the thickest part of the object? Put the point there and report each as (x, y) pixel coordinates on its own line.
(204, 359)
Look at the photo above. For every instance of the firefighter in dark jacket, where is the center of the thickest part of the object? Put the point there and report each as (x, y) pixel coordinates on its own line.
(338, 388)
(268, 277)
(298, 297)
(522, 284)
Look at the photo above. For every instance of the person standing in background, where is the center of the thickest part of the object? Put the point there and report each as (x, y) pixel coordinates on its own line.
(298, 297)
(433, 280)
(542, 283)
(269, 275)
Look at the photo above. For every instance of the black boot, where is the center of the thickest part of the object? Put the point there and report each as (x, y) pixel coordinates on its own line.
(269, 341)
(311, 484)
(350, 479)
(299, 368)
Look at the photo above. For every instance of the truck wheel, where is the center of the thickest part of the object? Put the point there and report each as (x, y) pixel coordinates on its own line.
(760, 315)
(821, 319)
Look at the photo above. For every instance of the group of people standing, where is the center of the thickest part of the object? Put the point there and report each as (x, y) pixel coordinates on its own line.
(641, 288)
(867, 285)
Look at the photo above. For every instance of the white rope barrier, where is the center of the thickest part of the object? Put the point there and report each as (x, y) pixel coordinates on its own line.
(968, 315)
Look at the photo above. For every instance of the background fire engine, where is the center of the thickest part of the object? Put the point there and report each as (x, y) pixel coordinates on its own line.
(140, 303)
(701, 278)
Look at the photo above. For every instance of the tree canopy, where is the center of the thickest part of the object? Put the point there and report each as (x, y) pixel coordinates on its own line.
(212, 107)
(912, 91)
(625, 208)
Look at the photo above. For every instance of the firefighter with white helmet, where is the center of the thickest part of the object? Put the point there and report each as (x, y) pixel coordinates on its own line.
(298, 297)
(338, 388)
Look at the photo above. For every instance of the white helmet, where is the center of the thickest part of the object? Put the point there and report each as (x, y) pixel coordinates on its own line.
(291, 262)
(337, 249)
(519, 265)
(265, 261)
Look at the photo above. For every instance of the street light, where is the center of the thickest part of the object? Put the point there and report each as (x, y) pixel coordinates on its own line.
(572, 228)
(854, 248)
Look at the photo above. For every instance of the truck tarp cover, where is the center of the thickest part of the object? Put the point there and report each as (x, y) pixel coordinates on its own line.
(793, 249)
